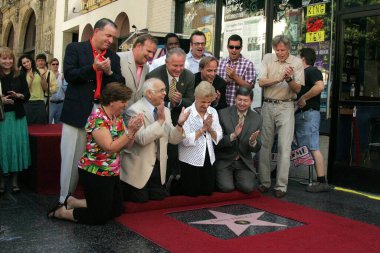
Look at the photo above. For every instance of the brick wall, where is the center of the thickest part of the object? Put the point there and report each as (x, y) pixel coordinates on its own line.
(161, 15)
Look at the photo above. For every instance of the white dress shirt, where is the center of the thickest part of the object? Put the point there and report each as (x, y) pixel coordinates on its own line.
(157, 62)
(193, 151)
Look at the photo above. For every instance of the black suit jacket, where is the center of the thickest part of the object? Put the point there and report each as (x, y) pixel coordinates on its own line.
(81, 79)
(220, 85)
(185, 86)
(19, 85)
(226, 151)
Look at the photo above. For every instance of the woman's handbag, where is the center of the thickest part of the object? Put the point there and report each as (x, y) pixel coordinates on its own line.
(2, 113)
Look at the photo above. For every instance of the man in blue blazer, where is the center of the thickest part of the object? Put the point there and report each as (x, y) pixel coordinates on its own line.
(88, 67)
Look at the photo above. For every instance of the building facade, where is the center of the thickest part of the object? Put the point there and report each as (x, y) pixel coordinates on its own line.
(77, 20)
(27, 26)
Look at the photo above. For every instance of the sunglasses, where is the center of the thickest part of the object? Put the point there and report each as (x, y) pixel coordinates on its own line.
(55, 64)
(236, 47)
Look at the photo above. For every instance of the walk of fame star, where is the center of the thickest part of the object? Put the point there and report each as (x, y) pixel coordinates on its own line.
(238, 223)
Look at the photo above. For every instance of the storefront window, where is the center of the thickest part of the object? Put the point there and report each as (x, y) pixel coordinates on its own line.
(357, 3)
(359, 115)
(248, 21)
(361, 59)
(200, 15)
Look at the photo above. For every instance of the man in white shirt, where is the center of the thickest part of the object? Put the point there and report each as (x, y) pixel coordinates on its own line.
(197, 51)
(171, 40)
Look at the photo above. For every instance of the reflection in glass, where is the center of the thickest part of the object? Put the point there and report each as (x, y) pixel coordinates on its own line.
(361, 59)
(201, 16)
(358, 3)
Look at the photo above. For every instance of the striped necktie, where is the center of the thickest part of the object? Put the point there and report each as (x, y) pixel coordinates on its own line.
(172, 87)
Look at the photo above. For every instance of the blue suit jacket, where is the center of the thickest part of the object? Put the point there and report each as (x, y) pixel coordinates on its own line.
(81, 79)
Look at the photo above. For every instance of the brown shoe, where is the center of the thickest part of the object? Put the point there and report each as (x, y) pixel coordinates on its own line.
(263, 189)
(279, 194)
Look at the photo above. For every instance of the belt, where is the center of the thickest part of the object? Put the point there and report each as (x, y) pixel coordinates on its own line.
(310, 109)
(277, 101)
(56, 102)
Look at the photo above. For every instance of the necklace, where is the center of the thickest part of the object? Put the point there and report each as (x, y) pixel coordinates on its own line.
(111, 119)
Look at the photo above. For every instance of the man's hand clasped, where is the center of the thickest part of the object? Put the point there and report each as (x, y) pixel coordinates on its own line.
(104, 65)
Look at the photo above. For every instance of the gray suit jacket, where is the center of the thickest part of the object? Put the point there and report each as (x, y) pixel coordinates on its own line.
(137, 163)
(226, 151)
(185, 86)
(128, 70)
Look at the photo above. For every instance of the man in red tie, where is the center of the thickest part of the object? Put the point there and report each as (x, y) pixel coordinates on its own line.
(88, 67)
(134, 64)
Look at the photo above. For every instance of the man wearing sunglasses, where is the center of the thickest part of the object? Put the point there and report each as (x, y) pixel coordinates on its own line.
(197, 51)
(237, 70)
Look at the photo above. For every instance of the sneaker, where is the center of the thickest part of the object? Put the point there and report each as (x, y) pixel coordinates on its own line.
(318, 187)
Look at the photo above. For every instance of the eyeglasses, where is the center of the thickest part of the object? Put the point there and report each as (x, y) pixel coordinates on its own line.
(55, 64)
(236, 47)
(163, 90)
(197, 44)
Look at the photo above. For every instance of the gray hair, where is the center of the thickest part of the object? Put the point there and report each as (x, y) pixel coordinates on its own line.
(176, 51)
(148, 84)
(204, 89)
(282, 39)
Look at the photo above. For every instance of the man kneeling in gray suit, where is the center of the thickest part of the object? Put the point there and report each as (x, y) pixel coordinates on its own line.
(241, 127)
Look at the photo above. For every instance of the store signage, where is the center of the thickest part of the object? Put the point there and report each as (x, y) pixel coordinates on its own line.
(315, 36)
(316, 10)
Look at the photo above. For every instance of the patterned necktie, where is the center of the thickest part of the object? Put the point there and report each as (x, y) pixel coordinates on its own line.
(157, 141)
(172, 87)
(241, 117)
(155, 113)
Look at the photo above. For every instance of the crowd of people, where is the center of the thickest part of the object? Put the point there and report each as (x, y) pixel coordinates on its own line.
(181, 125)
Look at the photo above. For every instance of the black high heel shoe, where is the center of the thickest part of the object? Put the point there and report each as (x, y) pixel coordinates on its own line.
(51, 213)
(66, 199)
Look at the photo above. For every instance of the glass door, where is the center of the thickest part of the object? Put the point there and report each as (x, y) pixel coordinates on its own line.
(356, 156)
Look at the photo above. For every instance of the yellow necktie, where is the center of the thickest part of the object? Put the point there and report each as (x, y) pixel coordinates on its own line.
(241, 118)
(172, 87)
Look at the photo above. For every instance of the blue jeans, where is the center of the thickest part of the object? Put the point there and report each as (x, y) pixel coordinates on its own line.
(307, 129)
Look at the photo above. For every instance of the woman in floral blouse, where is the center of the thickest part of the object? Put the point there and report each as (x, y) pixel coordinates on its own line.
(100, 164)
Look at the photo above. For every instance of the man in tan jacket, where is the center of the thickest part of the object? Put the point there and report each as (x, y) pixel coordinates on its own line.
(144, 165)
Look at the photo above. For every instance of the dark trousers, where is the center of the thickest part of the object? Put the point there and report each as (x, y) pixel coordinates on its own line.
(36, 112)
(197, 180)
(104, 199)
(153, 190)
(172, 167)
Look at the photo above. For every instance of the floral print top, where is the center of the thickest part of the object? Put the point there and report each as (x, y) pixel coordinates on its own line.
(94, 159)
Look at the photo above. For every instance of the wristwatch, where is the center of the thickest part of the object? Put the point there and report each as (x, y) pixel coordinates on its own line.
(289, 80)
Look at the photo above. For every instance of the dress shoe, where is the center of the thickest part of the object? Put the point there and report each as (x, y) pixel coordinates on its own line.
(263, 189)
(279, 194)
